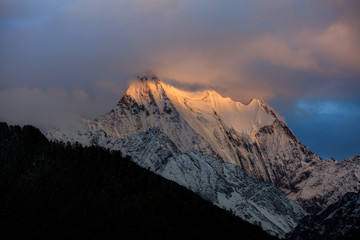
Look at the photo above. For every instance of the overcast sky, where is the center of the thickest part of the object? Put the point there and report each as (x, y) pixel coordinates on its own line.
(61, 59)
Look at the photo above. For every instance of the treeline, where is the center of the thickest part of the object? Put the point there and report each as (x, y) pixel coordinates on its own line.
(52, 190)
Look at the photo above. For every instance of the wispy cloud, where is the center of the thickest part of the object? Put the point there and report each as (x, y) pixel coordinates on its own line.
(326, 107)
(48, 108)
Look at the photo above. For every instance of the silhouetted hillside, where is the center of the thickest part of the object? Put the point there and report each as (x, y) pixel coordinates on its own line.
(60, 191)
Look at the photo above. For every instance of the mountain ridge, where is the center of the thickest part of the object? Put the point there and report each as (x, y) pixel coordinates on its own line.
(250, 136)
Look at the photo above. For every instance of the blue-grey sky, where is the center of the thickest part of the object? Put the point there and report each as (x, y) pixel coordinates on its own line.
(62, 59)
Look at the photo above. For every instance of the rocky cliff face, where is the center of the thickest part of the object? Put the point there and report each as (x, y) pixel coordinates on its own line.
(300, 173)
(224, 184)
(340, 220)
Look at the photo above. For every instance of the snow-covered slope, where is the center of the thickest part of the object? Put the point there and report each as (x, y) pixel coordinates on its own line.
(329, 182)
(340, 220)
(224, 184)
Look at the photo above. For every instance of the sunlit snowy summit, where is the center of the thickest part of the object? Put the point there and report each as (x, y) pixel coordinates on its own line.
(241, 157)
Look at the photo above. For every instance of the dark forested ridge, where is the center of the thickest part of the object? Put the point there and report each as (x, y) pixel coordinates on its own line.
(60, 191)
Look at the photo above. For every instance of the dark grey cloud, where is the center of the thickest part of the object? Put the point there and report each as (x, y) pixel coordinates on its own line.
(280, 51)
(327, 125)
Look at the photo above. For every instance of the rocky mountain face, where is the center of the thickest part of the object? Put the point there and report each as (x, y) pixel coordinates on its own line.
(340, 220)
(300, 173)
(224, 184)
(204, 125)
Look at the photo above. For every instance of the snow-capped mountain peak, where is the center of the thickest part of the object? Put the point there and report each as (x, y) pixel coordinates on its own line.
(251, 136)
(204, 107)
(141, 87)
(209, 117)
